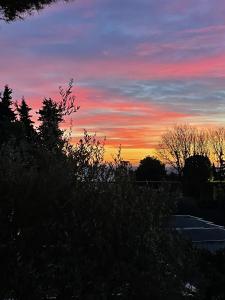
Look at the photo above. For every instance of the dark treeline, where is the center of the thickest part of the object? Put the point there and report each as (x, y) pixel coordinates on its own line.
(14, 9)
(74, 227)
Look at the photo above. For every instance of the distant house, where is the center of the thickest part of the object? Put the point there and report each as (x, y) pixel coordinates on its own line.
(203, 234)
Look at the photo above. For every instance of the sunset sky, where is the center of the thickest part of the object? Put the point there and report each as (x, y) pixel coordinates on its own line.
(140, 66)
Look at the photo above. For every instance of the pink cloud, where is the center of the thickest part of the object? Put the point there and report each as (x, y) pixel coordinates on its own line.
(141, 69)
(205, 30)
(44, 75)
(122, 121)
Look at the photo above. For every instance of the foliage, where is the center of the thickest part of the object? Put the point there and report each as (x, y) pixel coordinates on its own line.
(25, 124)
(212, 268)
(50, 117)
(85, 239)
(14, 9)
(150, 168)
(74, 227)
(7, 116)
(196, 173)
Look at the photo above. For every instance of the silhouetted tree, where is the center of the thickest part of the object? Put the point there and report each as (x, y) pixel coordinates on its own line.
(150, 168)
(181, 142)
(217, 139)
(50, 117)
(7, 116)
(197, 171)
(52, 114)
(25, 120)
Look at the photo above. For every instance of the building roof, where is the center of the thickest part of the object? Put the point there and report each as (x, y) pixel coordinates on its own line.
(186, 221)
(201, 232)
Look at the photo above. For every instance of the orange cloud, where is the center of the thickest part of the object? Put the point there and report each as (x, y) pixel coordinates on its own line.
(136, 126)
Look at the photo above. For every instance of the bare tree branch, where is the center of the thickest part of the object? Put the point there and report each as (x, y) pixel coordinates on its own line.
(67, 104)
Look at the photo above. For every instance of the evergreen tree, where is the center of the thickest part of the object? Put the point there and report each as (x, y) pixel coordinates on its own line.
(25, 120)
(7, 116)
(51, 115)
(196, 173)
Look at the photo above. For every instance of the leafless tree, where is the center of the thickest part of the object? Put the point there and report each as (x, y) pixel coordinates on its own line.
(217, 138)
(201, 143)
(181, 142)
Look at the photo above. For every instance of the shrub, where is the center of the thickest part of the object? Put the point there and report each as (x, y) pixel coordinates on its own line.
(150, 169)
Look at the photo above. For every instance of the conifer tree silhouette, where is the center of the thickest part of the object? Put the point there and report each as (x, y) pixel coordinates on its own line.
(25, 120)
(49, 131)
(7, 116)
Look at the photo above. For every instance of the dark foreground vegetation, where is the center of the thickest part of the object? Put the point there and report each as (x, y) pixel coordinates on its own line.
(11, 10)
(74, 227)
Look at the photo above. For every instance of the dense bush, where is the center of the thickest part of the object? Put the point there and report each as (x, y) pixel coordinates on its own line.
(211, 268)
(70, 236)
(150, 169)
